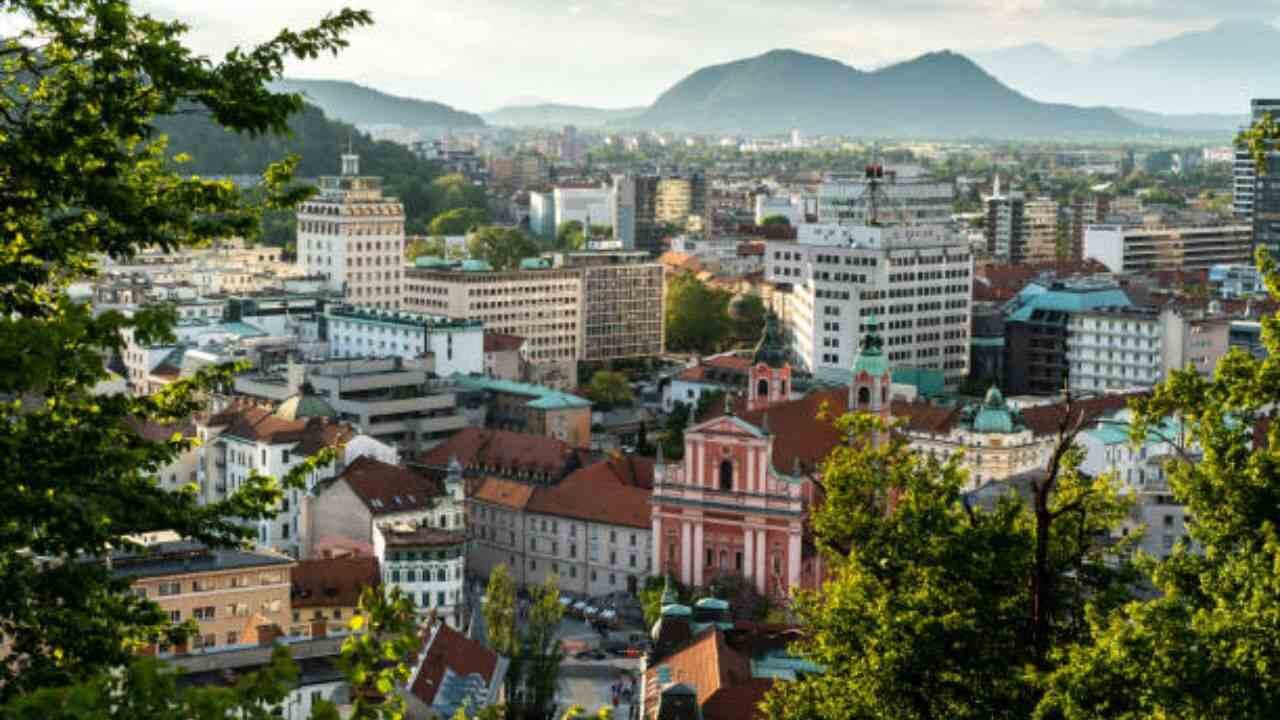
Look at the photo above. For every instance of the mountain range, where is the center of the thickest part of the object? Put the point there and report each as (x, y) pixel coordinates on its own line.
(1214, 71)
(940, 94)
(359, 105)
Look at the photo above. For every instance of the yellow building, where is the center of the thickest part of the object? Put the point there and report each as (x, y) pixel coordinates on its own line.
(219, 589)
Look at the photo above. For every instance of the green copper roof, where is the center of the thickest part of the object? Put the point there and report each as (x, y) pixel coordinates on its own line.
(304, 406)
(871, 359)
(1064, 300)
(476, 266)
(535, 263)
(994, 416)
(772, 348)
(430, 261)
(545, 398)
(710, 603)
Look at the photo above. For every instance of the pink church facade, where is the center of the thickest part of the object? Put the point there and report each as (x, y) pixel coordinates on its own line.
(737, 503)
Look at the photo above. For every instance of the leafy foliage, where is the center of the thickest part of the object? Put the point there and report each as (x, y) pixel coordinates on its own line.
(530, 644)
(456, 220)
(697, 315)
(775, 220)
(375, 655)
(1206, 646)
(85, 172)
(928, 609)
(610, 389)
(571, 236)
(501, 247)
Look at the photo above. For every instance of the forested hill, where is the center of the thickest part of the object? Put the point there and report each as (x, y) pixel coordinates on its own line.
(349, 102)
(319, 142)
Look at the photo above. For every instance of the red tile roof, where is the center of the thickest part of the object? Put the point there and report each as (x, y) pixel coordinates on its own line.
(615, 492)
(161, 432)
(448, 649)
(333, 582)
(262, 425)
(386, 488)
(719, 675)
(924, 417)
(798, 433)
(506, 493)
(1047, 419)
(502, 342)
(506, 452)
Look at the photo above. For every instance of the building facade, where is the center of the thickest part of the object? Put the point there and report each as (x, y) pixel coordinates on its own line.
(919, 279)
(221, 590)
(1138, 249)
(353, 236)
(427, 564)
(846, 201)
(455, 346)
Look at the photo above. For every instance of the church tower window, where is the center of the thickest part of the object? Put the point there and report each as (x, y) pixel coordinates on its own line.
(726, 475)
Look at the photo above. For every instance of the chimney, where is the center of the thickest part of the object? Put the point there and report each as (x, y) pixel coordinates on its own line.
(268, 634)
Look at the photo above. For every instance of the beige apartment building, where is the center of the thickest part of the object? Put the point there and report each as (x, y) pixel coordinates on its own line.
(1040, 229)
(571, 307)
(226, 592)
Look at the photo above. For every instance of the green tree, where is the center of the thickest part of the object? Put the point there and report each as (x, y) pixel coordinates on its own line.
(457, 221)
(1206, 645)
(543, 654)
(697, 316)
(747, 312)
(775, 220)
(569, 236)
(939, 608)
(451, 192)
(673, 431)
(375, 656)
(421, 246)
(503, 248)
(86, 173)
(610, 389)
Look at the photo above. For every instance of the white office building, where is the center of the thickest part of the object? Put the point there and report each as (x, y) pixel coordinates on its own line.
(918, 280)
(353, 236)
(592, 205)
(456, 346)
(790, 207)
(1135, 348)
(1139, 249)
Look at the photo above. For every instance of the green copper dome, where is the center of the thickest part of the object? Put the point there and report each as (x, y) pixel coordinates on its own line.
(303, 406)
(871, 359)
(994, 416)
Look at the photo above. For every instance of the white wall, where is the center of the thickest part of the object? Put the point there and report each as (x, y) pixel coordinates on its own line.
(1105, 243)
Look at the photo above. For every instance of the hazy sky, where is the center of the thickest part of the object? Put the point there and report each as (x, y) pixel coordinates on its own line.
(479, 54)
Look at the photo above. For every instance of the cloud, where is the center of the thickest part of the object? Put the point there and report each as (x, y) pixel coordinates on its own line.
(477, 54)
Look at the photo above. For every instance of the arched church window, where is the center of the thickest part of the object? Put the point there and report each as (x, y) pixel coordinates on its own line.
(864, 396)
(726, 475)
(762, 388)
(724, 559)
(782, 388)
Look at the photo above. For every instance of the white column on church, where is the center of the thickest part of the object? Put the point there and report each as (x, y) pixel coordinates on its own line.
(761, 571)
(655, 542)
(699, 554)
(701, 461)
(686, 553)
(748, 553)
(793, 561)
(750, 480)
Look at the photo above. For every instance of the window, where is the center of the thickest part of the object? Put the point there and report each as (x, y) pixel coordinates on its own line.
(170, 588)
(726, 475)
(175, 616)
(737, 561)
(233, 637)
(613, 557)
(204, 613)
(864, 396)
(613, 536)
(440, 598)
(633, 539)
(762, 388)
(711, 557)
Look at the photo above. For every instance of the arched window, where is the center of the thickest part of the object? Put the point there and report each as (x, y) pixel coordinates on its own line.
(724, 559)
(884, 395)
(726, 475)
(762, 388)
(864, 396)
(782, 389)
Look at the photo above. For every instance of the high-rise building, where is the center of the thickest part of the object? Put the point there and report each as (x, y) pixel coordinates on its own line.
(1040, 229)
(1258, 196)
(917, 279)
(353, 236)
(1083, 213)
(634, 212)
(585, 204)
(542, 215)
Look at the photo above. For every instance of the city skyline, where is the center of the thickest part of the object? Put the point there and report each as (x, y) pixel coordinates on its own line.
(611, 54)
